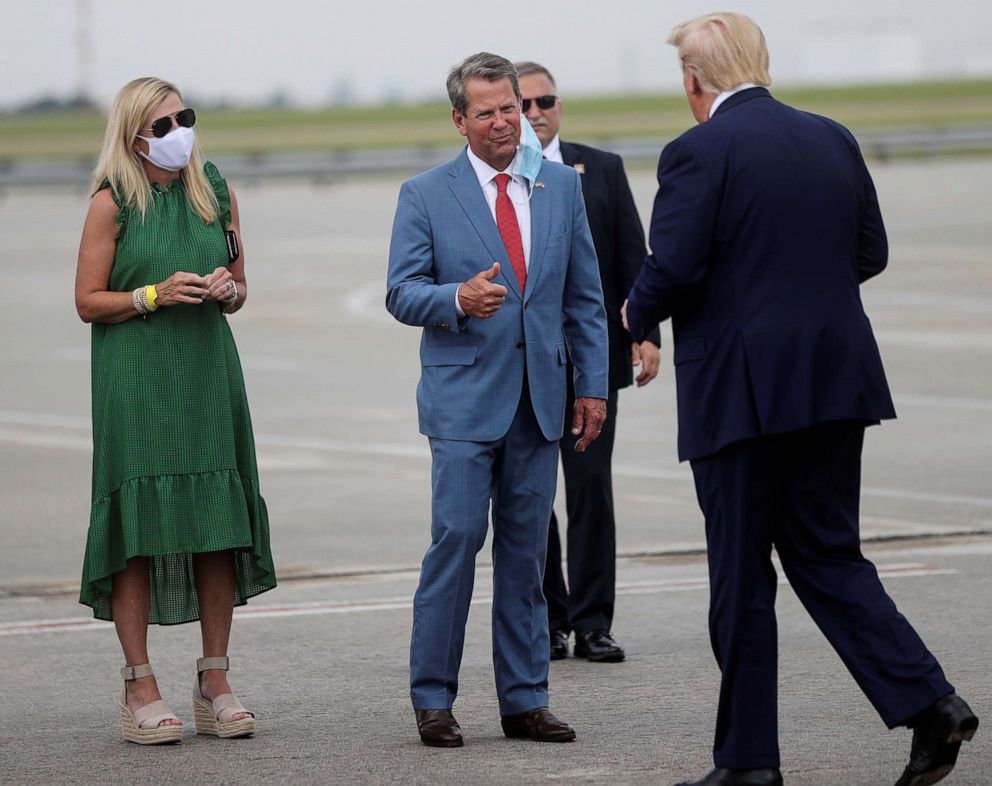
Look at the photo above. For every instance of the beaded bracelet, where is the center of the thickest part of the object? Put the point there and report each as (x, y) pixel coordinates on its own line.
(140, 301)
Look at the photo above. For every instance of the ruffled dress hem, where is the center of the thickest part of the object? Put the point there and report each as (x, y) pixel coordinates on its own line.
(168, 519)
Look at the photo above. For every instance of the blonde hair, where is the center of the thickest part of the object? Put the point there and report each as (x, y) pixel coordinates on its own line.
(122, 167)
(723, 49)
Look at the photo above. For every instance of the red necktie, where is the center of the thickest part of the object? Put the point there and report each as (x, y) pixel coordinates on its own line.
(509, 229)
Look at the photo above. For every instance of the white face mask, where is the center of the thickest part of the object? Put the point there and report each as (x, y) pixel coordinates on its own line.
(172, 151)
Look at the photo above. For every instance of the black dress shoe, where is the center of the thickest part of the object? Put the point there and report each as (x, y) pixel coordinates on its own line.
(538, 725)
(559, 645)
(598, 646)
(937, 737)
(439, 729)
(724, 777)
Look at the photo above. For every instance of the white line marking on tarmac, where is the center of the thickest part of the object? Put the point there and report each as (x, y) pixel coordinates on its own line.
(395, 450)
(969, 340)
(311, 608)
(945, 402)
(14, 418)
(926, 496)
(934, 301)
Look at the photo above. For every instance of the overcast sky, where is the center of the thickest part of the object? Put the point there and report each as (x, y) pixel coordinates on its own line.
(317, 51)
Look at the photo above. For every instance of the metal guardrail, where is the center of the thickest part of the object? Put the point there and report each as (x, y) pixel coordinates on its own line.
(877, 144)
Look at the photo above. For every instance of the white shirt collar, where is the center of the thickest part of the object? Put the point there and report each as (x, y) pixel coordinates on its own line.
(727, 94)
(553, 151)
(486, 173)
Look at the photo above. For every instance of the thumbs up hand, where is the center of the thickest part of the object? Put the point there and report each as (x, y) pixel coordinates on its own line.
(480, 298)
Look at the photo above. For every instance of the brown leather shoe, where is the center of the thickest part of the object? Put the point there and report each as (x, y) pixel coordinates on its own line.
(538, 725)
(439, 729)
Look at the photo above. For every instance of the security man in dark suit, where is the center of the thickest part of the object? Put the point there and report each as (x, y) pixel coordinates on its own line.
(585, 606)
(764, 225)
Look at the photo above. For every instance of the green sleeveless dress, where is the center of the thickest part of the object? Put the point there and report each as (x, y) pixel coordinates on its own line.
(174, 470)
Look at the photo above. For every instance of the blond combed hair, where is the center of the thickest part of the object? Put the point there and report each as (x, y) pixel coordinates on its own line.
(723, 49)
(121, 166)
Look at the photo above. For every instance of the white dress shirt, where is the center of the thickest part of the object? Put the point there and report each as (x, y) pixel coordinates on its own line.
(727, 94)
(519, 193)
(516, 189)
(553, 151)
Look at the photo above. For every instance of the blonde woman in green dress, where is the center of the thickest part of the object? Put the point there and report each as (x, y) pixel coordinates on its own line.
(178, 529)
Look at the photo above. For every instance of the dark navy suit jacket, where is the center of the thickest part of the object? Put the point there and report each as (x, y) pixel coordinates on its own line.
(619, 239)
(764, 225)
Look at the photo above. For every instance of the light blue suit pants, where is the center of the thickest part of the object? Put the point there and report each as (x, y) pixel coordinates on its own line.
(518, 473)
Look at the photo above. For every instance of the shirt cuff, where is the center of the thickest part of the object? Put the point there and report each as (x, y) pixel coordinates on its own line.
(458, 305)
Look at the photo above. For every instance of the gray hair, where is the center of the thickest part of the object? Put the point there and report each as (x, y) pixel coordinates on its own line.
(528, 67)
(483, 65)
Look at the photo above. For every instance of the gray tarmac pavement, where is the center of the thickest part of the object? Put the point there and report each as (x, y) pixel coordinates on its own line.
(331, 381)
(324, 665)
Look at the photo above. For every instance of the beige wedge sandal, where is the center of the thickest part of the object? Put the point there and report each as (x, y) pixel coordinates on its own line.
(216, 717)
(142, 725)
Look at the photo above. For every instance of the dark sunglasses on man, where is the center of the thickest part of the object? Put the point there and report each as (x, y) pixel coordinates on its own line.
(184, 118)
(543, 102)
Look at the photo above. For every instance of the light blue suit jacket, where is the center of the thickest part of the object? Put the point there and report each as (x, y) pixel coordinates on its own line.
(473, 369)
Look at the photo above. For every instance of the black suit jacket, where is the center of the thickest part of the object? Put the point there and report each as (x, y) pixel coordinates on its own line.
(765, 223)
(618, 236)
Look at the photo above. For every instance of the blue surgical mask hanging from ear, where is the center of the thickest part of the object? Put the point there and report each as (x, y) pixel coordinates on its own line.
(530, 154)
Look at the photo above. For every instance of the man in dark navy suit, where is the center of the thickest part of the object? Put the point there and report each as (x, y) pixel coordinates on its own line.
(764, 225)
(585, 606)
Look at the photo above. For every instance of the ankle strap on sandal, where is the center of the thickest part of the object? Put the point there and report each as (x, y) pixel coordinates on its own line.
(129, 673)
(223, 662)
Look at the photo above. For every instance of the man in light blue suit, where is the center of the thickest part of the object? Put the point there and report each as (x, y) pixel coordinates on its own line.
(491, 255)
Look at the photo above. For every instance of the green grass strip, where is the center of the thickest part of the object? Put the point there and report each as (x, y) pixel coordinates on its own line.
(79, 134)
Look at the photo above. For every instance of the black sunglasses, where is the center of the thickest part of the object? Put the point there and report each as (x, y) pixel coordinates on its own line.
(184, 118)
(543, 102)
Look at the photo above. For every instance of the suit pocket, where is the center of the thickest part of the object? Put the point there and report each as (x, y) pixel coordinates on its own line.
(448, 356)
(689, 349)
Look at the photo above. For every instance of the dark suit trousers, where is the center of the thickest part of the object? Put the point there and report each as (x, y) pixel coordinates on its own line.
(799, 492)
(587, 602)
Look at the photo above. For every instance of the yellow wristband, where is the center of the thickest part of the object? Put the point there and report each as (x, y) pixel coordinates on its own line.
(150, 295)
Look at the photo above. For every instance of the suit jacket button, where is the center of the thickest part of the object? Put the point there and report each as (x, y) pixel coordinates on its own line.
(520, 345)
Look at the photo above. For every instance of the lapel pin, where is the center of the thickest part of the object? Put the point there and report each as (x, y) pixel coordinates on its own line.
(580, 168)
(538, 184)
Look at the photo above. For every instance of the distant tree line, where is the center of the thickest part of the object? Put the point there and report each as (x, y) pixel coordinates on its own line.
(82, 103)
